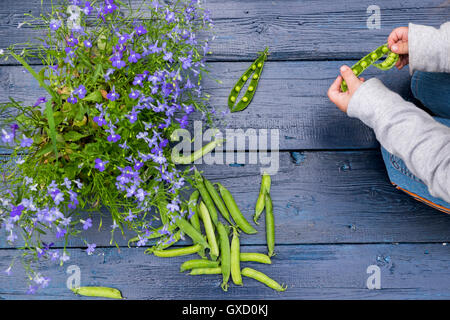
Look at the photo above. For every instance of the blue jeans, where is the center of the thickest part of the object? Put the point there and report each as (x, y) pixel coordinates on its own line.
(433, 91)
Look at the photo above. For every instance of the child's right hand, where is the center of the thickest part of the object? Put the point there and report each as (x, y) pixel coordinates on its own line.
(398, 43)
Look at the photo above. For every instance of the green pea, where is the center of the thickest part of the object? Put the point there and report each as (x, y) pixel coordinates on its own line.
(237, 89)
(259, 65)
(255, 257)
(255, 76)
(355, 71)
(235, 259)
(374, 56)
(250, 88)
(206, 197)
(198, 263)
(178, 252)
(363, 64)
(245, 99)
(253, 67)
(245, 78)
(103, 292)
(261, 277)
(209, 229)
(232, 98)
(384, 49)
(236, 214)
(191, 231)
(225, 255)
(202, 271)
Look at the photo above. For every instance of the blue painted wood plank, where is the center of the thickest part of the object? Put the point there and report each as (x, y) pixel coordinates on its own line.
(291, 98)
(293, 29)
(318, 197)
(408, 271)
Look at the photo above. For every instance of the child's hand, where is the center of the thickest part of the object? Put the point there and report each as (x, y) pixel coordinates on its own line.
(398, 43)
(342, 99)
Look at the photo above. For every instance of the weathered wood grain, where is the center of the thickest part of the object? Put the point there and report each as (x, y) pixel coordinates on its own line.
(318, 197)
(408, 271)
(293, 29)
(291, 97)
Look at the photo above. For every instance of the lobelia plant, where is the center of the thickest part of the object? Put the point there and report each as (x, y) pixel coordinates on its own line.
(119, 79)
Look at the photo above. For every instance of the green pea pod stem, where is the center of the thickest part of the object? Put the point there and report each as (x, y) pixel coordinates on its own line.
(370, 58)
(270, 226)
(206, 197)
(254, 72)
(198, 263)
(192, 232)
(209, 229)
(177, 159)
(236, 214)
(261, 277)
(260, 203)
(255, 257)
(235, 259)
(217, 199)
(201, 271)
(103, 292)
(225, 255)
(193, 202)
(178, 251)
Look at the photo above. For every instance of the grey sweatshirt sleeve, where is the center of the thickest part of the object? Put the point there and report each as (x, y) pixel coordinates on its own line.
(407, 132)
(429, 48)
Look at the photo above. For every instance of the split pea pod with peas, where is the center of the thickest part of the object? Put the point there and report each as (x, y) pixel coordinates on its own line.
(254, 73)
(370, 59)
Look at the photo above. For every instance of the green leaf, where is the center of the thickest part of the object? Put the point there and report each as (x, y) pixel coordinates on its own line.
(74, 136)
(51, 125)
(45, 149)
(95, 96)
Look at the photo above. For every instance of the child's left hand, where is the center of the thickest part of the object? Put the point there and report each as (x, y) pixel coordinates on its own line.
(339, 98)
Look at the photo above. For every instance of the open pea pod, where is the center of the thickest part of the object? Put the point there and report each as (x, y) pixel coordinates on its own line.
(253, 73)
(369, 60)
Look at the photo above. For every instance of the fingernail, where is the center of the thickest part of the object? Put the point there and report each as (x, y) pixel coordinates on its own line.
(343, 68)
(394, 47)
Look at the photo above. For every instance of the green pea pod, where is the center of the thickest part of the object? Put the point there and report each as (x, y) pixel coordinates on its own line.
(103, 292)
(178, 251)
(217, 199)
(236, 214)
(235, 259)
(209, 229)
(225, 255)
(254, 257)
(265, 187)
(192, 232)
(198, 263)
(177, 159)
(206, 197)
(254, 73)
(370, 58)
(261, 277)
(270, 226)
(202, 271)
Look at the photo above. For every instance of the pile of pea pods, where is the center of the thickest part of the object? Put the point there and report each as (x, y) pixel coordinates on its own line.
(224, 255)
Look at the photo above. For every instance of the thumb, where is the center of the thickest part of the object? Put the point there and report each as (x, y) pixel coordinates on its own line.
(349, 77)
(400, 47)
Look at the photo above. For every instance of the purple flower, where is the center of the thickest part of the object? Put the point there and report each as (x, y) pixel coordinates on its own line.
(186, 62)
(57, 196)
(113, 137)
(60, 232)
(87, 8)
(55, 24)
(133, 57)
(140, 30)
(113, 95)
(170, 16)
(108, 73)
(124, 38)
(72, 99)
(109, 7)
(87, 43)
(91, 248)
(72, 41)
(138, 80)
(7, 137)
(26, 142)
(134, 94)
(87, 224)
(39, 101)
(99, 120)
(132, 116)
(119, 64)
(17, 210)
(80, 91)
(168, 56)
(100, 165)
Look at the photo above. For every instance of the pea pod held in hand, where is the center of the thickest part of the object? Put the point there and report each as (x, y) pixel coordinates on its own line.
(260, 203)
(103, 292)
(237, 215)
(206, 197)
(209, 229)
(261, 277)
(253, 72)
(369, 59)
